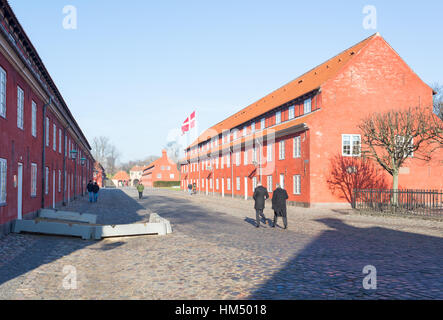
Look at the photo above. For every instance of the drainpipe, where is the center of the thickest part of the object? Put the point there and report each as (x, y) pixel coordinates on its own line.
(64, 165)
(44, 153)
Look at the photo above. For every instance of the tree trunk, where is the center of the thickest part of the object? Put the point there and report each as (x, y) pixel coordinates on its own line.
(395, 190)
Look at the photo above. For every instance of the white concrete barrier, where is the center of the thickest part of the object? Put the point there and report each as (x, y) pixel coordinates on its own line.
(68, 216)
(53, 228)
(155, 218)
(135, 229)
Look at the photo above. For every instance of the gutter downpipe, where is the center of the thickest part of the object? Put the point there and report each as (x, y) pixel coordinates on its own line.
(44, 154)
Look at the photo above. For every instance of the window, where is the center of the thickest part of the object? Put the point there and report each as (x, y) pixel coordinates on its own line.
(297, 147)
(159, 176)
(237, 158)
(307, 106)
(254, 183)
(171, 176)
(281, 150)
(269, 181)
(262, 123)
(278, 117)
(54, 140)
(46, 180)
(351, 145)
(245, 159)
(269, 153)
(216, 163)
(216, 184)
(33, 179)
(253, 127)
(20, 107)
(254, 154)
(235, 134)
(245, 131)
(47, 131)
(163, 167)
(228, 183)
(2, 93)
(34, 120)
(291, 112)
(59, 181)
(169, 168)
(296, 184)
(238, 184)
(3, 173)
(282, 180)
(203, 183)
(66, 146)
(210, 183)
(222, 162)
(60, 141)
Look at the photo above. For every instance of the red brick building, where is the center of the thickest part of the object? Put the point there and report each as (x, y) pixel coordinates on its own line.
(291, 135)
(162, 169)
(38, 134)
(99, 175)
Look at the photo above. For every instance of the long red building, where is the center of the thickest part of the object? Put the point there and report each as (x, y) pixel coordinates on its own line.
(45, 159)
(291, 135)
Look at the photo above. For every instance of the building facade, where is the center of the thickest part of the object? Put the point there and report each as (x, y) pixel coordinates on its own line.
(39, 137)
(135, 174)
(162, 169)
(291, 135)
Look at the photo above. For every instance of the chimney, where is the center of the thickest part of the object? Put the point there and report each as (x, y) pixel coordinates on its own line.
(164, 154)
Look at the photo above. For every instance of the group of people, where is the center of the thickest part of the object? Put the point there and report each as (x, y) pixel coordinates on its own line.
(192, 189)
(93, 190)
(279, 198)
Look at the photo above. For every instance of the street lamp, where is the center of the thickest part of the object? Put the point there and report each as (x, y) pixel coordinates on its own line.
(74, 158)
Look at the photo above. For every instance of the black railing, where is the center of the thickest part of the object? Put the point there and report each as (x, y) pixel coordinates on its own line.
(404, 201)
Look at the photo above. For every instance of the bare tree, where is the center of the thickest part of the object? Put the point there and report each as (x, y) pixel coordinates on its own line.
(438, 99)
(392, 137)
(105, 153)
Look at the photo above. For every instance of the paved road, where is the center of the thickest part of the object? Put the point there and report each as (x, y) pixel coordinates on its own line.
(216, 252)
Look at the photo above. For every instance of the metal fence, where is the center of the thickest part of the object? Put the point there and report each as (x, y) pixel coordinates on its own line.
(405, 201)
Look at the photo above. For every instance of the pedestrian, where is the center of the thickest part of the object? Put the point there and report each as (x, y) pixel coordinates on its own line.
(95, 190)
(90, 188)
(140, 189)
(190, 189)
(279, 198)
(260, 196)
(194, 188)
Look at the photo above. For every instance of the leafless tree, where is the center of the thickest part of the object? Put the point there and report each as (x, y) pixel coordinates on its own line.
(438, 99)
(391, 138)
(105, 153)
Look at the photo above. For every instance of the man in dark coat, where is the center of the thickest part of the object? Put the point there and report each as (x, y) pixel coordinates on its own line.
(260, 196)
(95, 190)
(279, 198)
(90, 188)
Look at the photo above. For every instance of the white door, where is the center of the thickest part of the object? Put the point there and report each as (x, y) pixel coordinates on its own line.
(246, 188)
(223, 187)
(20, 192)
(207, 183)
(53, 189)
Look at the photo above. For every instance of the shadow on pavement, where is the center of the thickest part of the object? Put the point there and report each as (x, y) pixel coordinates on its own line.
(408, 266)
(114, 207)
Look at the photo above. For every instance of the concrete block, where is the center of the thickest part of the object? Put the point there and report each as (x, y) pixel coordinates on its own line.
(130, 230)
(155, 218)
(53, 228)
(68, 216)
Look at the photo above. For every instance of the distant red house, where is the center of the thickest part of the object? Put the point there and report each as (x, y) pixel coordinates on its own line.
(162, 169)
(121, 179)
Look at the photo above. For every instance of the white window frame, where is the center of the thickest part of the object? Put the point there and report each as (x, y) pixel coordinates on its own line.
(245, 157)
(47, 132)
(253, 126)
(60, 139)
(54, 137)
(269, 183)
(281, 150)
(20, 107)
(296, 147)
(269, 152)
(351, 145)
(262, 123)
(34, 119)
(237, 158)
(307, 106)
(59, 181)
(46, 180)
(3, 86)
(171, 176)
(291, 112)
(278, 117)
(238, 183)
(3, 180)
(296, 184)
(228, 184)
(34, 179)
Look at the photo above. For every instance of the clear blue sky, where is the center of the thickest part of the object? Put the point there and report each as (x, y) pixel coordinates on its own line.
(134, 70)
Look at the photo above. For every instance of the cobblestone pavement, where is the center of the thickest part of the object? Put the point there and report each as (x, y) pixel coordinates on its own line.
(215, 252)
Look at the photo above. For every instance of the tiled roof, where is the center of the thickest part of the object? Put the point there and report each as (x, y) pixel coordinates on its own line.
(137, 168)
(122, 175)
(306, 83)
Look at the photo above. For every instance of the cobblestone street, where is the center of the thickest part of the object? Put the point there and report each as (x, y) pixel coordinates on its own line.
(215, 252)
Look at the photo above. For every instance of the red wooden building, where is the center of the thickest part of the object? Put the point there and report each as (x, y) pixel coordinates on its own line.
(162, 169)
(38, 134)
(291, 135)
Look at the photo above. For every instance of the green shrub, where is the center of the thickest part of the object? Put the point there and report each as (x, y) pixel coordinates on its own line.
(166, 184)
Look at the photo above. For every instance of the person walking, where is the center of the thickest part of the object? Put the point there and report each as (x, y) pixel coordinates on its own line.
(95, 190)
(279, 198)
(140, 189)
(260, 196)
(190, 189)
(90, 188)
(194, 188)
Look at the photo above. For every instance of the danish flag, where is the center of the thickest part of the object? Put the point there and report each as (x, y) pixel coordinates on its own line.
(189, 123)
